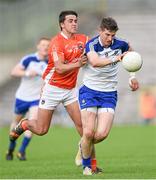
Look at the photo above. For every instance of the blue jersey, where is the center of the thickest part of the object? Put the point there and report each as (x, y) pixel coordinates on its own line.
(103, 78)
(30, 87)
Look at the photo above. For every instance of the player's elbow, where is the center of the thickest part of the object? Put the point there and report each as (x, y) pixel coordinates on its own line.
(94, 64)
(13, 73)
(59, 67)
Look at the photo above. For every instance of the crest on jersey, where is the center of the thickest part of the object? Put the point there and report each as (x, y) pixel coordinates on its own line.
(80, 46)
(42, 101)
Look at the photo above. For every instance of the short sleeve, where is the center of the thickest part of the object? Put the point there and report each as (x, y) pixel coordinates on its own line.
(25, 61)
(56, 50)
(125, 46)
(90, 47)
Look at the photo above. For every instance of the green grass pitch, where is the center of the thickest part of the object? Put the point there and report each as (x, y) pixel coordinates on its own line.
(129, 152)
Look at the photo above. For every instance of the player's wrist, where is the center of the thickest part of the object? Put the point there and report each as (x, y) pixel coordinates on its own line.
(132, 76)
(79, 63)
(115, 59)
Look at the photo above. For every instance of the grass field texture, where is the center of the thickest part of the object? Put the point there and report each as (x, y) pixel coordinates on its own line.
(129, 152)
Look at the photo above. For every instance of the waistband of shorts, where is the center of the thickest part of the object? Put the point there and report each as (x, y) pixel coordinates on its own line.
(92, 90)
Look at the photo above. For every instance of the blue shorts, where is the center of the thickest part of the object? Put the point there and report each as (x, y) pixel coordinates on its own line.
(92, 98)
(22, 107)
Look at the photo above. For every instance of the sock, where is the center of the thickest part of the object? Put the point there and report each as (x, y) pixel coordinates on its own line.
(12, 146)
(93, 164)
(86, 162)
(25, 143)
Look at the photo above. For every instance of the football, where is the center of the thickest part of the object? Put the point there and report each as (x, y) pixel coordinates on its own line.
(132, 61)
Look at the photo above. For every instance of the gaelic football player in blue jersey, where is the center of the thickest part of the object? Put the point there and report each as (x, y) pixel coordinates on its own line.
(30, 70)
(98, 95)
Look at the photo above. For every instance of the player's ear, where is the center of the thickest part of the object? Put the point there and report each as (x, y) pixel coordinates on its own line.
(62, 25)
(38, 46)
(100, 30)
(130, 48)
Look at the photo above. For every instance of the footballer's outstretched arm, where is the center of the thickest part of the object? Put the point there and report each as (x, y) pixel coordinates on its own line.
(19, 71)
(133, 82)
(97, 61)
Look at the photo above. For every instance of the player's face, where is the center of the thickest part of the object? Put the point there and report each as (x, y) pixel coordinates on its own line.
(107, 37)
(70, 24)
(43, 47)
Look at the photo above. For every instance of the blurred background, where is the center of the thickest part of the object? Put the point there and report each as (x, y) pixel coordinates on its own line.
(23, 22)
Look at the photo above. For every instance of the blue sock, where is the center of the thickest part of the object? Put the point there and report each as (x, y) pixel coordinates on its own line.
(12, 145)
(25, 143)
(86, 162)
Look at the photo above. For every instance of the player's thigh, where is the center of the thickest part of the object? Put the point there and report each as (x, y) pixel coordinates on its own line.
(74, 112)
(104, 124)
(50, 98)
(88, 121)
(33, 112)
(71, 104)
(44, 117)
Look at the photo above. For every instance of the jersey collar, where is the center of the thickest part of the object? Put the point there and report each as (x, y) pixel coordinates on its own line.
(37, 56)
(64, 35)
(100, 42)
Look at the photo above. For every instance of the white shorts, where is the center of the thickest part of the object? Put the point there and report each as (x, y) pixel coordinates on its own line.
(52, 96)
(99, 110)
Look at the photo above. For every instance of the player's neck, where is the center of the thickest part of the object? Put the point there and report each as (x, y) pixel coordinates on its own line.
(66, 34)
(40, 56)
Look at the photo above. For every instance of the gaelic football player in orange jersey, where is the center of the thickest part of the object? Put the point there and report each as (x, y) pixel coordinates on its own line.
(65, 59)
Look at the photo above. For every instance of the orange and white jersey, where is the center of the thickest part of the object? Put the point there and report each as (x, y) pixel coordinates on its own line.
(69, 51)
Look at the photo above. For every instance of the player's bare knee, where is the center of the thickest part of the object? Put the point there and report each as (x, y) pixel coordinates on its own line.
(100, 136)
(89, 134)
(42, 131)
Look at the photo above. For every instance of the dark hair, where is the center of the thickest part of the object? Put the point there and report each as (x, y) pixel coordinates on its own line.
(109, 24)
(44, 38)
(63, 15)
